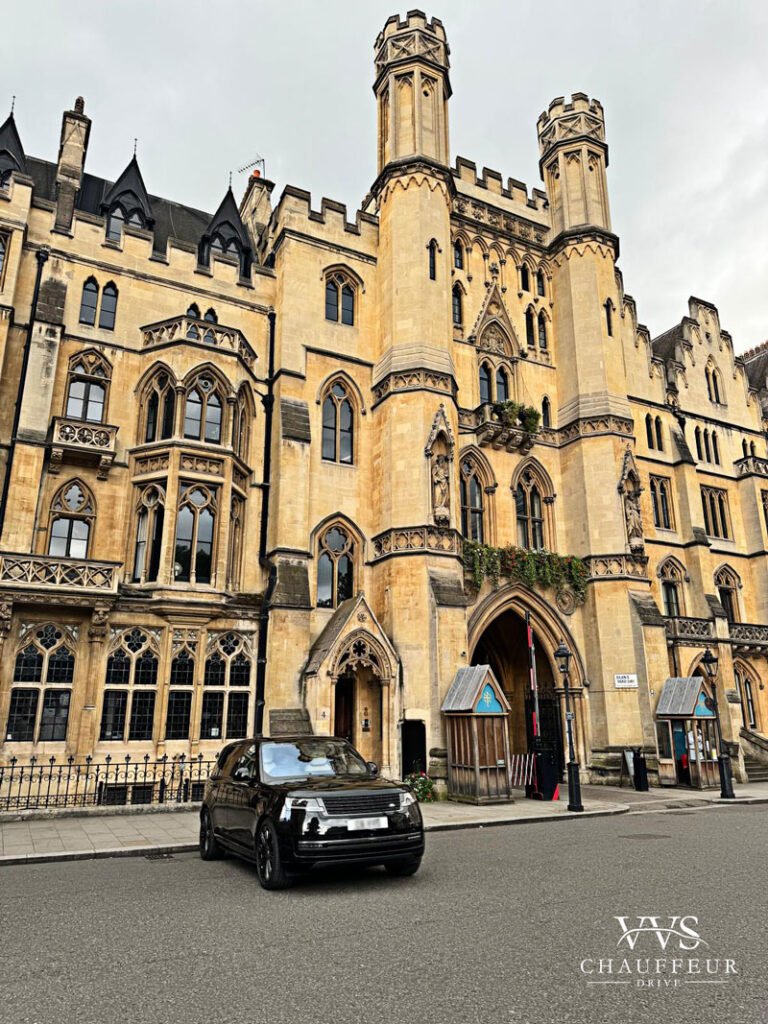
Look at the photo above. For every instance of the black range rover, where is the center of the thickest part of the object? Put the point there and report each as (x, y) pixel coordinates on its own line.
(292, 803)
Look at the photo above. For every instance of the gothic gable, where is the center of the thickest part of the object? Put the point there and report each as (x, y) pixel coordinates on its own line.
(493, 330)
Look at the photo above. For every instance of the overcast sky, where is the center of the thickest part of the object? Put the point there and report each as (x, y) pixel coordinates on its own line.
(206, 86)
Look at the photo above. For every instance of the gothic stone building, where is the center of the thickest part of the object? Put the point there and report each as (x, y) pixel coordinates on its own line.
(241, 454)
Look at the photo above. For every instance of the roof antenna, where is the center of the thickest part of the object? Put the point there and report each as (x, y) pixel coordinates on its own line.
(258, 163)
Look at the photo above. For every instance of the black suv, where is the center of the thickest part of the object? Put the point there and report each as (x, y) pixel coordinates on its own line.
(291, 803)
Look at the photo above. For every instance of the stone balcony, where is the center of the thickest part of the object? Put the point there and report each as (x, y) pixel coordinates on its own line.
(74, 575)
(199, 332)
(695, 631)
(748, 637)
(82, 442)
(752, 465)
(493, 432)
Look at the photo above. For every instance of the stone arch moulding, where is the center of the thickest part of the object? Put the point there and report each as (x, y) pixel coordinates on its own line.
(518, 598)
(343, 378)
(343, 268)
(361, 649)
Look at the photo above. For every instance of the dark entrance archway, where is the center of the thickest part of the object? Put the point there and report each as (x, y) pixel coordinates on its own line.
(414, 745)
(504, 646)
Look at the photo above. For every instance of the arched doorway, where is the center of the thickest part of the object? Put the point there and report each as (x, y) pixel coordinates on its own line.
(358, 712)
(503, 645)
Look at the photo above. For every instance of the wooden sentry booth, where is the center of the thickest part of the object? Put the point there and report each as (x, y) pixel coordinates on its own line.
(477, 727)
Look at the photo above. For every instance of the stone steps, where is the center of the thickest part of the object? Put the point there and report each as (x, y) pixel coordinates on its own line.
(757, 771)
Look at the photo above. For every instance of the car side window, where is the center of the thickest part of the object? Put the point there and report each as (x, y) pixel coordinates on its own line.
(221, 761)
(245, 766)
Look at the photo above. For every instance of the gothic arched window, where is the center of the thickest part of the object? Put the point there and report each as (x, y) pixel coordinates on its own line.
(659, 436)
(608, 306)
(728, 585)
(72, 515)
(340, 299)
(432, 249)
(457, 306)
(746, 696)
(108, 310)
(338, 426)
(226, 685)
(540, 288)
(661, 501)
(546, 413)
(715, 448)
(699, 448)
(203, 411)
(458, 255)
(335, 567)
(502, 385)
(530, 328)
(130, 689)
(485, 383)
(195, 534)
(87, 387)
(671, 575)
(41, 692)
(542, 332)
(89, 302)
(472, 512)
(3, 250)
(159, 408)
(525, 278)
(649, 432)
(241, 424)
(150, 516)
(530, 512)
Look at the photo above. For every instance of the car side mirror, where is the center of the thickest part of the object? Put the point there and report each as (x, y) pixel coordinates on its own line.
(373, 768)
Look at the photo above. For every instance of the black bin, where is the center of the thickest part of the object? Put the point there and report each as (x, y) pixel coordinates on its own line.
(640, 769)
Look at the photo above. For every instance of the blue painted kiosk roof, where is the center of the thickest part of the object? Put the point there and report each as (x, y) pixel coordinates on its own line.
(475, 690)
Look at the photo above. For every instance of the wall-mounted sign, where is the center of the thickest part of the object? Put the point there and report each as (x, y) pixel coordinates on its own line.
(626, 682)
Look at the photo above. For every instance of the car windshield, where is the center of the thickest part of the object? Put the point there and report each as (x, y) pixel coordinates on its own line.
(302, 759)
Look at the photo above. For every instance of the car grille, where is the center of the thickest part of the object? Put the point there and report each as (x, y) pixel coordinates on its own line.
(362, 803)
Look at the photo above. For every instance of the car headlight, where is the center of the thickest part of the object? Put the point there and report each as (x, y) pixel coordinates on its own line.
(406, 799)
(310, 805)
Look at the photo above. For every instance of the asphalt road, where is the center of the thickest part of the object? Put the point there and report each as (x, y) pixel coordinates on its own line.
(492, 930)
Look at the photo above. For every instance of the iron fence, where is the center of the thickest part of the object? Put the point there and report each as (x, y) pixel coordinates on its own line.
(41, 784)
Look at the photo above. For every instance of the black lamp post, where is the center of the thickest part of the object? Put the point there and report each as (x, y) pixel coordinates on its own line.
(709, 661)
(563, 657)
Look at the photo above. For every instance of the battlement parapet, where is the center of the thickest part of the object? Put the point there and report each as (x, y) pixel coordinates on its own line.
(493, 181)
(297, 202)
(416, 37)
(565, 121)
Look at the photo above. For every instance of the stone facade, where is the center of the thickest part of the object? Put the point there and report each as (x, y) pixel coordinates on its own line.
(241, 452)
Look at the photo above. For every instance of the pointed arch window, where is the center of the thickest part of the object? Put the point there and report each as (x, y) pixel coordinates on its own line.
(728, 584)
(472, 511)
(232, 248)
(432, 260)
(339, 299)
(746, 696)
(72, 515)
(338, 426)
(89, 302)
(236, 526)
(195, 534)
(458, 255)
(714, 384)
(203, 412)
(661, 500)
(130, 687)
(715, 507)
(525, 278)
(546, 413)
(160, 408)
(226, 685)
(150, 516)
(530, 328)
(649, 434)
(335, 567)
(529, 509)
(671, 576)
(715, 448)
(87, 388)
(608, 307)
(241, 425)
(115, 222)
(3, 251)
(485, 383)
(108, 311)
(699, 448)
(659, 434)
(502, 385)
(457, 306)
(540, 284)
(542, 332)
(45, 665)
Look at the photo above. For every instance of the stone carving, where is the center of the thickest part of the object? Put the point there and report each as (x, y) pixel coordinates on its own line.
(566, 601)
(434, 539)
(441, 492)
(690, 629)
(413, 380)
(630, 490)
(201, 464)
(45, 571)
(603, 566)
(98, 627)
(151, 464)
(185, 330)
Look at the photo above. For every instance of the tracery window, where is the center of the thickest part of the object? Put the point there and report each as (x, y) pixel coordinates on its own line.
(338, 426)
(73, 512)
(530, 512)
(661, 500)
(160, 408)
(89, 304)
(653, 433)
(150, 515)
(339, 299)
(232, 248)
(181, 689)
(195, 533)
(671, 575)
(716, 518)
(45, 666)
(203, 411)
(87, 388)
(472, 511)
(130, 688)
(335, 567)
(728, 585)
(226, 686)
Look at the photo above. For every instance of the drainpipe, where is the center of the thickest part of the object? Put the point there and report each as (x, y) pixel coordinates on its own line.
(268, 401)
(42, 258)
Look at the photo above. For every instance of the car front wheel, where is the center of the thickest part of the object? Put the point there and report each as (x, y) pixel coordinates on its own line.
(269, 867)
(403, 868)
(209, 845)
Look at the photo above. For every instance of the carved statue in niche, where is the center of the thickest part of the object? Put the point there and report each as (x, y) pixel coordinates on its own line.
(441, 490)
(630, 490)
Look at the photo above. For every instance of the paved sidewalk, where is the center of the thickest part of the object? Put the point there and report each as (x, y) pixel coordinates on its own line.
(83, 836)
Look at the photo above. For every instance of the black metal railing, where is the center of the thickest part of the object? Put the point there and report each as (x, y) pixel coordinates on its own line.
(52, 783)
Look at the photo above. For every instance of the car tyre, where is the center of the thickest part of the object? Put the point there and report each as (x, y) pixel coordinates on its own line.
(403, 868)
(269, 866)
(209, 844)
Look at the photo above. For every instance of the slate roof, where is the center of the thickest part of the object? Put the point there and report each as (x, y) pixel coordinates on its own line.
(463, 692)
(12, 156)
(448, 590)
(294, 420)
(756, 365)
(329, 635)
(227, 222)
(679, 696)
(130, 187)
(172, 220)
(665, 344)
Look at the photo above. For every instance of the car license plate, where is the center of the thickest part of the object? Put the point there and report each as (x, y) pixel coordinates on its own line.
(360, 824)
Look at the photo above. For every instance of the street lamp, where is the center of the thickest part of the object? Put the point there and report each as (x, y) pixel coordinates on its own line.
(709, 661)
(563, 657)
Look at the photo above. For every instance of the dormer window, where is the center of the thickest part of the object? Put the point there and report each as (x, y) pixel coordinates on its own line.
(118, 217)
(220, 247)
